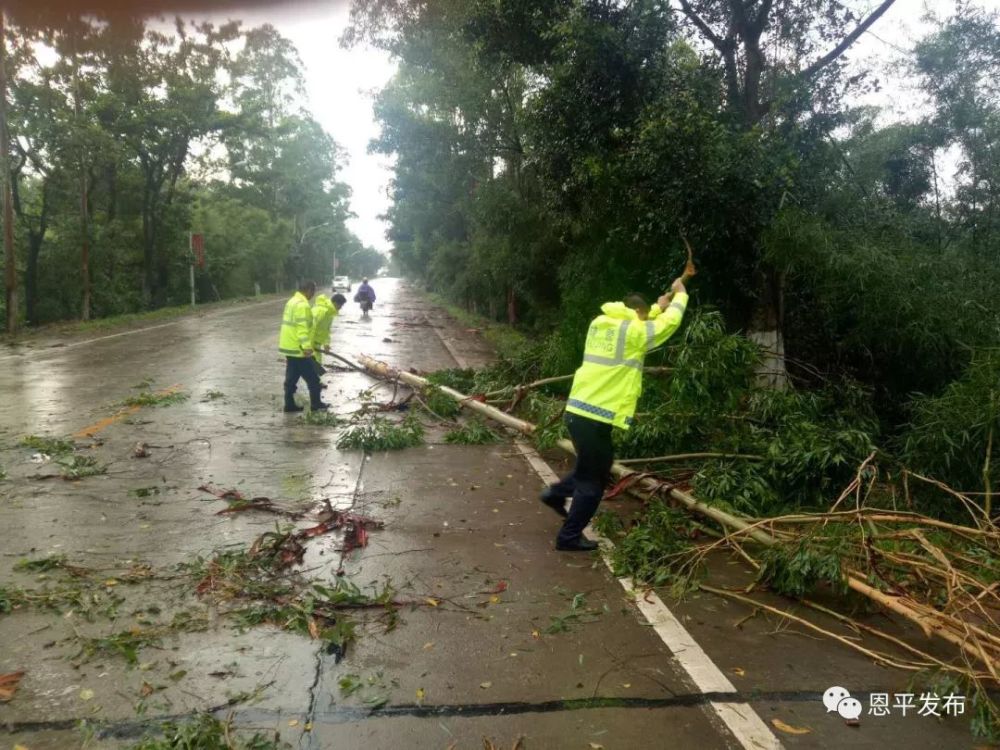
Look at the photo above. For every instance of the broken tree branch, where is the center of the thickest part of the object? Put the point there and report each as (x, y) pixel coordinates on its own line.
(847, 41)
(964, 635)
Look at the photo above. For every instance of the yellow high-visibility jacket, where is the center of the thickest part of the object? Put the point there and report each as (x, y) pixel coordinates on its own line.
(296, 327)
(607, 385)
(323, 313)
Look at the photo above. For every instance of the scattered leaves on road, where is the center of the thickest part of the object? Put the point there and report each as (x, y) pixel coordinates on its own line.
(788, 728)
(8, 685)
(578, 614)
(48, 445)
(350, 684)
(160, 398)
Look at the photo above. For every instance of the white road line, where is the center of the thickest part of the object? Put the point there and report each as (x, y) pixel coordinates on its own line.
(455, 355)
(740, 718)
(182, 319)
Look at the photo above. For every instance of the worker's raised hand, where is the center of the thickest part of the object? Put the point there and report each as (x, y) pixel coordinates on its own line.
(678, 287)
(664, 301)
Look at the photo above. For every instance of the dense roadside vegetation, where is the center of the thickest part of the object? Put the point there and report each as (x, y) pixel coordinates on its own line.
(125, 136)
(550, 155)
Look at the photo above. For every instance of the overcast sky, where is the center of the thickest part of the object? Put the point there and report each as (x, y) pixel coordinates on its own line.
(340, 84)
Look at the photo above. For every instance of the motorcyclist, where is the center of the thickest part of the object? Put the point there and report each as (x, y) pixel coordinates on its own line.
(365, 296)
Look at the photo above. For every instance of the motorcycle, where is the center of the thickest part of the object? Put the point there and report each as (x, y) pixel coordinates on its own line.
(365, 302)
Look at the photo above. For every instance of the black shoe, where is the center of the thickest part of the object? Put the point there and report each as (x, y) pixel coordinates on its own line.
(558, 504)
(293, 408)
(320, 407)
(577, 545)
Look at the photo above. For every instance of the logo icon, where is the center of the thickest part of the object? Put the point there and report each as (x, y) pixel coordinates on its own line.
(838, 700)
(849, 709)
(834, 696)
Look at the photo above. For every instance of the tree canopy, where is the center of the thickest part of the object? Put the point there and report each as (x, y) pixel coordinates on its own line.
(126, 136)
(551, 155)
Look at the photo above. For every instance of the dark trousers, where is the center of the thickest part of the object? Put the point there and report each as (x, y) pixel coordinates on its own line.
(305, 368)
(585, 484)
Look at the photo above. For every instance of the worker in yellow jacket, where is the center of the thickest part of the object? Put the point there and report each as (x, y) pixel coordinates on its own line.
(295, 342)
(324, 310)
(605, 390)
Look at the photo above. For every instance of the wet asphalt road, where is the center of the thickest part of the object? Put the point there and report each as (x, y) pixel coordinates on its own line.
(504, 656)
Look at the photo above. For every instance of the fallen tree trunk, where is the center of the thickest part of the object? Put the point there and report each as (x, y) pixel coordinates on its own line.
(951, 629)
(383, 370)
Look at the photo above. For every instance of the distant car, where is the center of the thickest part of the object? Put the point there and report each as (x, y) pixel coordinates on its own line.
(341, 284)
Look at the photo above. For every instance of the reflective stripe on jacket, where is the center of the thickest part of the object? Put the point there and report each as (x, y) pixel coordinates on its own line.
(607, 385)
(323, 313)
(296, 327)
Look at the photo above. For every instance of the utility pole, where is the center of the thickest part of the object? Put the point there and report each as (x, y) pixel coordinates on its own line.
(8, 206)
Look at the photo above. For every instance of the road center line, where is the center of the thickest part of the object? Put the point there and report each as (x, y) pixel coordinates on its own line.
(89, 432)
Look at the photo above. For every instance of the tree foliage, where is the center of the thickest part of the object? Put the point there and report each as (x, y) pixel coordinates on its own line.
(550, 155)
(125, 137)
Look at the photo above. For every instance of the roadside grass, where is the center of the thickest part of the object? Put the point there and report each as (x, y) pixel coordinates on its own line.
(502, 337)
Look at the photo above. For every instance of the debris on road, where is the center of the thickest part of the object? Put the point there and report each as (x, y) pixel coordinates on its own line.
(206, 731)
(355, 527)
(73, 467)
(239, 503)
(258, 589)
(788, 728)
(141, 450)
(166, 397)
(48, 446)
(321, 418)
(473, 432)
(8, 685)
(375, 433)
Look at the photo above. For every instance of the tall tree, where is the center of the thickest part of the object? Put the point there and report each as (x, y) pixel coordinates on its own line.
(959, 65)
(10, 264)
(164, 92)
(779, 88)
